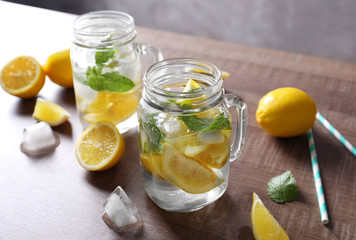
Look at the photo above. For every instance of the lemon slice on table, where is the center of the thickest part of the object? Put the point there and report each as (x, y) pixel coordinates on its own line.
(58, 67)
(22, 77)
(50, 112)
(100, 147)
(264, 226)
(186, 173)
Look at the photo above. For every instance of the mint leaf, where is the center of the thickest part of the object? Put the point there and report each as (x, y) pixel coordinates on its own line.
(196, 124)
(283, 188)
(110, 81)
(220, 123)
(104, 56)
(202, 125)
(155, 138)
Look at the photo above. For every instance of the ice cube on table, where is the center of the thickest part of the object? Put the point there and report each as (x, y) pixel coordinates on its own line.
(39, 139)
(120, 213)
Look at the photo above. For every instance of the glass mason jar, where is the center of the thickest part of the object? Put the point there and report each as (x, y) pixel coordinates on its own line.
(107, 68)
(184, 134)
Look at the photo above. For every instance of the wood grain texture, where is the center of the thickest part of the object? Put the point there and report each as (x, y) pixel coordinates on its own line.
(52, 197)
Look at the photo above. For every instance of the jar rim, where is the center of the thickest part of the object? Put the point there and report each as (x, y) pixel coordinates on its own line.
(202, 67)
(103, 28)
(175, 72)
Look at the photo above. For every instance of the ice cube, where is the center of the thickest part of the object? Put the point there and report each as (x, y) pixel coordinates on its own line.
(211, 137)
(120, 213)
(171, 126)
(39, 139)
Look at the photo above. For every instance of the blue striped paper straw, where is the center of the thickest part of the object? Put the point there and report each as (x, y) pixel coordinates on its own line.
(336, 133)
(317, 179)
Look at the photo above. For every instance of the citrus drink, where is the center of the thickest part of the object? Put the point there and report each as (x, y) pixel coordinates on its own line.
(179, 157)
(115, 104)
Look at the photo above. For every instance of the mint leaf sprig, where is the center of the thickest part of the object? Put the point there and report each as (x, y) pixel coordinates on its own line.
(283, 188)
(109, 81)
(155, 137)
(202, 125)
(104, 56)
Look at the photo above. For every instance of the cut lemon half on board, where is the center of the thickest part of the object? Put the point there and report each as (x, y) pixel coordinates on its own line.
(264, 226)
(186, 173)
(100, 147)
(22, 77)
(59, 68)
(50, 112)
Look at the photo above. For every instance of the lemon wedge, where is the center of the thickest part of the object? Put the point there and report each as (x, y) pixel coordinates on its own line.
(191, 86)
(264, 226)
(50, 112)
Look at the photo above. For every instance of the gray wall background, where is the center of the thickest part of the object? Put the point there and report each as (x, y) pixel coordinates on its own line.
(325, 28)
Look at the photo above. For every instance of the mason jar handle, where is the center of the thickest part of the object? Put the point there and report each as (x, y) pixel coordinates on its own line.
(143, 49)
(238, 141)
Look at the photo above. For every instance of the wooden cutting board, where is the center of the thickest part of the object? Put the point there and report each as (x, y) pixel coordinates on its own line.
(53, 197)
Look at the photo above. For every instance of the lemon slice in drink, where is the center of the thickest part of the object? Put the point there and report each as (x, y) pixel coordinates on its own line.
(99, 147)
(115, 112)
(50, 112)
(152, 163)
(186, 173)
(264, 226)
(191, 86)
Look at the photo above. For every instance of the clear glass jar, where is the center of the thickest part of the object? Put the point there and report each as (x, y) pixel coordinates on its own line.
(184, 134)
(107, 68)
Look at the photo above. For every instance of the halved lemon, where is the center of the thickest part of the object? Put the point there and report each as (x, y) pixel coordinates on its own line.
(50, 112)
(100, 147)
(58, 67)
(22, 77)
(264, 226)
(186, 173)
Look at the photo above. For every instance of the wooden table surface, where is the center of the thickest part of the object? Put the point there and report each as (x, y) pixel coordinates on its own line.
(52, 197)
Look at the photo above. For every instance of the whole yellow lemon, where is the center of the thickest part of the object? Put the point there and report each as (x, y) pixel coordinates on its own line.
(286, 112)
(58, 68)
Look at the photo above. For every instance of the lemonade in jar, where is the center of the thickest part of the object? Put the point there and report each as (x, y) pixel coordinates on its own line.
(184, 134)
(106, 67)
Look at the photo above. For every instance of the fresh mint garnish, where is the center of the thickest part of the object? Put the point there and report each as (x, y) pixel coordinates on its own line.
(155, 138)
(283, 188)
(104, 56)
(202, 125)
(109, 81)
